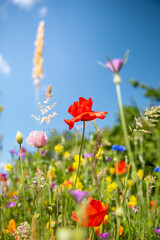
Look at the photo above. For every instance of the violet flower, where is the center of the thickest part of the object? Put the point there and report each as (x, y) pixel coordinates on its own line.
(115, 65)
(12, 152)
(88, 155)
(157, 230)
(43, 153)
(19, 154)
(11, 204)
(52, 186)
(79, 195)
(104, 236)
(37, 139)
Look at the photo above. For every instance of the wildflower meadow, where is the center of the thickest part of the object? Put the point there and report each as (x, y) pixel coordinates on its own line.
(104, 185)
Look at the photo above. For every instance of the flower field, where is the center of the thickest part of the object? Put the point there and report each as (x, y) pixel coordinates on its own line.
(105, 186)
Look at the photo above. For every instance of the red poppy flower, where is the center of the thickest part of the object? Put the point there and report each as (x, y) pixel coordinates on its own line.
(81, 111)
(92, 215)
(121, 167)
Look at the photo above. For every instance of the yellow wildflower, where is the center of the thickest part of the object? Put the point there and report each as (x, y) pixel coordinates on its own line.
(113, 209)
(76, 159)
(148, 178)
(106, 219)
(79, 185)
(8, 167)
(108, 179)
(99, 153)
(51, 172)
(140, 174)
(114, 185)
(109, 188)
(90, 159)
(58, 148)
(132, 201)
(66, 154)
(111, 170)
(130, 182)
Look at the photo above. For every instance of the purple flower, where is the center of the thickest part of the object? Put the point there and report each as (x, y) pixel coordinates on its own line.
(115, 65)
(104, 236)
(4, 175)
(43, 153)
(11, 204)
(78, 195)
(52, 186)
(109, 159)
(12, 152)
(23, 154)
(157, 230)
(88, 155)
(118, 148)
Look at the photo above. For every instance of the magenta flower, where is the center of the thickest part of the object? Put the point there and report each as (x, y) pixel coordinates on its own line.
(11, 204)
(115, 65)
(104, 236)
(88, 155)
(52, 186)
(43, 153)
(12, 152)
(37, 139)
(157, 230)
(78, 195)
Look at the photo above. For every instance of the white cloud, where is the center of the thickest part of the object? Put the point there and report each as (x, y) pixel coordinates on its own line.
(4, 67)
(43, 11)
(27, 4)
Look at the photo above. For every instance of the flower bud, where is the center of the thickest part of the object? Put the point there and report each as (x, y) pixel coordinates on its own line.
(134, 176)
(117, 78)
(119, 212)
(19, 137)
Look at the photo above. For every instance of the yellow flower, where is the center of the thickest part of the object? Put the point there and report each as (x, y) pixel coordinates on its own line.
(130, 182)
(111, 170)
(132, 201)
(8, 167)
(51, 172)
(114, 185)
(109, 188)
(75, 165)
(58, 148)
(76, 159)
(140, 174)
(148, 178)
(113, 209)
(108, 179)
(106, 219)
(79, 185)
(99, 153)
(66, 154)
(90, 159)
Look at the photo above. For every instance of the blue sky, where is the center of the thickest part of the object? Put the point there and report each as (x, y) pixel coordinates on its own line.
(77, 35)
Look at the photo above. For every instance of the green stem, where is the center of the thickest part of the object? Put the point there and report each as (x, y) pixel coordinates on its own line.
(123, 121)
(80, 152)
(23, 183)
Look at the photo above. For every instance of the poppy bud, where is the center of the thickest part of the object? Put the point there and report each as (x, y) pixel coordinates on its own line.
(19, 137)
(116, 79)
(119, 212)
(134, 176)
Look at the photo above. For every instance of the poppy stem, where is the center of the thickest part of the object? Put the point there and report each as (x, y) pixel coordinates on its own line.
(80, 153)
